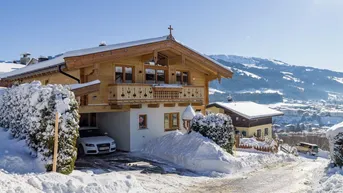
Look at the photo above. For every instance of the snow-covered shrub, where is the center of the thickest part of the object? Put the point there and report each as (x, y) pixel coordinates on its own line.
(337, 155)
(217, 127)
(29, 111)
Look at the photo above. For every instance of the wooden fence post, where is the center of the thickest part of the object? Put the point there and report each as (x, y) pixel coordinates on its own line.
(54, 161)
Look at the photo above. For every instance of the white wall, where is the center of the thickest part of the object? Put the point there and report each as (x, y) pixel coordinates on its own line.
(155, 124)
(117, 125)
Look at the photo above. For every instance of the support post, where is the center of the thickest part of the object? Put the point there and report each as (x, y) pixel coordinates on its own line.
(54, 161)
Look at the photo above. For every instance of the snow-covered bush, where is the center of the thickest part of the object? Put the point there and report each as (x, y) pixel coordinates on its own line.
(29, 111)
(335, 136)
(217, 127)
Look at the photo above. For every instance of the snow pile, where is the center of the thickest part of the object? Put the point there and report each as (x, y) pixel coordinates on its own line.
(332, 184)
(15, 156)
(75, 182)
(192, 151)
(332, 134)
(28, 111)
(255, 143)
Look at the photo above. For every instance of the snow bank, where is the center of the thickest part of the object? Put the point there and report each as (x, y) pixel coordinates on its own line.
(192, 151)
(331, 133)
(253, 142)
(323, 154)
(75, 182)
(15, 157)
(332, 184)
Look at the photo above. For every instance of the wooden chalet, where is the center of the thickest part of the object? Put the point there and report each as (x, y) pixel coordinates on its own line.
(134, 91)
(249, 118)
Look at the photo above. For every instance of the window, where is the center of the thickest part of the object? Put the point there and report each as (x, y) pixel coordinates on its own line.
(237, 118)
(142, 121)
(150, 75)
(88, 120)
(171, 121)
(244, 133)
(182, 77)
(155, 76)
(266, 131)
(258, 133)
(124, 74)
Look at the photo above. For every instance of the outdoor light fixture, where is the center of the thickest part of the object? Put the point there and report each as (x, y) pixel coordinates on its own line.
(187, 116)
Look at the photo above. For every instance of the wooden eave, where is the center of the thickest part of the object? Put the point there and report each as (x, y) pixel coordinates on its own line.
(86, 90)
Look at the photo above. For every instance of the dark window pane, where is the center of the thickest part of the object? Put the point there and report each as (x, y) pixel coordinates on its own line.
(160, 76)
(178, 77)
(119, 74)
(128, 74)
(185, 77)
(175, 120)
(149, 75)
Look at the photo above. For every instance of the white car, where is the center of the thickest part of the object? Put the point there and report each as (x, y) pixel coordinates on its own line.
(92, 141)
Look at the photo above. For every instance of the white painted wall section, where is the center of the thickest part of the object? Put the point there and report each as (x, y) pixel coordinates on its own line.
(155, 124)
(117, 125)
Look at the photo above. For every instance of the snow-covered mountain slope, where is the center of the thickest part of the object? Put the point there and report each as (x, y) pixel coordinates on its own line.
(258, 74)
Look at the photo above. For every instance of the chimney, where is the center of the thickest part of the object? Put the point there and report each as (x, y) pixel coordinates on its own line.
(103, 43)
(42, 58)
(25, 58)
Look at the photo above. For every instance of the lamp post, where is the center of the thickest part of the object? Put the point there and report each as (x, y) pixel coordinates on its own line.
(187, 116)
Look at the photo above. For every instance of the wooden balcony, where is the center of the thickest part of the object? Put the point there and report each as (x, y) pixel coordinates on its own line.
(122, 94)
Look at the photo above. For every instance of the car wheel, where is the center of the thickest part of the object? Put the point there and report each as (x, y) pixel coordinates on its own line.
(80, 151)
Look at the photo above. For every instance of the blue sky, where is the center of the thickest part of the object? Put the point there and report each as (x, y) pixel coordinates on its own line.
(300, 32)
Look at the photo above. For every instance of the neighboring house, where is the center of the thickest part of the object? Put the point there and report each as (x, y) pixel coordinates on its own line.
(249, 118)
(134, 91)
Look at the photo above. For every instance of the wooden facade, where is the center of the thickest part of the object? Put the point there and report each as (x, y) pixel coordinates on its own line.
(136, 63)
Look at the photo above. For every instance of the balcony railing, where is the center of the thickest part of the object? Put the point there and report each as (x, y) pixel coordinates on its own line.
(145, 93)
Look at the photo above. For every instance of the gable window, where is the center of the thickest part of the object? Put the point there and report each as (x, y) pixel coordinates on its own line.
(182, 77)
(171, 121)
(155, 76)
(266, 131)
(123, 74)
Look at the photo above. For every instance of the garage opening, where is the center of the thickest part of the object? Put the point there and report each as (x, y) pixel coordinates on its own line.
(88, 120)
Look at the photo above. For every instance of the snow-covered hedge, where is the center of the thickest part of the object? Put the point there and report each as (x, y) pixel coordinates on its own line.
(335, 136)
(29, 111)
(217, 127)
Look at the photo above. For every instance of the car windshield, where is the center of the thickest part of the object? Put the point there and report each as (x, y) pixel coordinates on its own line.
(90, 133)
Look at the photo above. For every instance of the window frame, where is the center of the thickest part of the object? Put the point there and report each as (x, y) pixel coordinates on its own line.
(182, 71)
(145, 126)
(266, 133)
(170, 120)
(124, 74)
(156, 68)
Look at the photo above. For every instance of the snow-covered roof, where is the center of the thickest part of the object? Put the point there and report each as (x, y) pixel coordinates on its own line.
(8, 67)
(189, 113)
(334, 130)
(248, 109)
(60, 59)
(77, 86)
(31, 68)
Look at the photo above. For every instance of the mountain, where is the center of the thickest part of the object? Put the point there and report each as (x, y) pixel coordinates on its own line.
(268, 81)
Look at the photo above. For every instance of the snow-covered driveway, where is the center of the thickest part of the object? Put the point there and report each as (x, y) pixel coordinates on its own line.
(298, 176)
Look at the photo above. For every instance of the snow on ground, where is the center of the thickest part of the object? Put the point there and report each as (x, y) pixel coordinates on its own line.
(264, 91)
(337, 79)
(246, 73)
(286, 73)
(254, 66)
(201, 154)
(253, 142)
(213, 91)
(291, 78)
(15, 156)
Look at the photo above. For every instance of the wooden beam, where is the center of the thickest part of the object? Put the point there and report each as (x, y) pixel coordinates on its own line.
(100, 109)
(137, 106)
(169, 104)
(154, 105)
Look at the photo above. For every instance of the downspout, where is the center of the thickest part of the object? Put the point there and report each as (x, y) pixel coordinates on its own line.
(66, 74)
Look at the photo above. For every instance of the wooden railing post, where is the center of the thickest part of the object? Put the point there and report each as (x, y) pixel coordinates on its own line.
(54, 161)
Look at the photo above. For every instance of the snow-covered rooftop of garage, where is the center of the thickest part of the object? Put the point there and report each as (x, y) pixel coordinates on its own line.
(248, 109)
